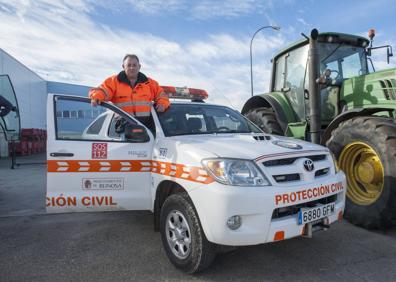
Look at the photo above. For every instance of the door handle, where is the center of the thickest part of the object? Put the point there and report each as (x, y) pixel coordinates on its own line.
(61, 154)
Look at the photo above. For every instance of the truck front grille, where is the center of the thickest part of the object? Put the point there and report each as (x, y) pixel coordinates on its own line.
(286, 177)
(292, 210)
(289, 161)
(294, 170)
(322, 172)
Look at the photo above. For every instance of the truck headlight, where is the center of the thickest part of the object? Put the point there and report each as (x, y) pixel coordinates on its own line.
(336, 167)
(235, 172)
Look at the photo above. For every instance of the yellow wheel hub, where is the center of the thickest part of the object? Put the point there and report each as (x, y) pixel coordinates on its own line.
(364, 171)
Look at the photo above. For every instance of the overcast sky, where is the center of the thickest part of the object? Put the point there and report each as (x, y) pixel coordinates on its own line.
(200, 44)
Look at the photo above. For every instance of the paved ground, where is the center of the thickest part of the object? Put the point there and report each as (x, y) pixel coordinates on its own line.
(123, 246)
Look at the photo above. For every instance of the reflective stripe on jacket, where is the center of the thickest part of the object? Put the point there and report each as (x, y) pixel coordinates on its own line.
(134, 100)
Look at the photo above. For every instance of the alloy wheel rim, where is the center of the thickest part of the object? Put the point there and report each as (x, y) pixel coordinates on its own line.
(178, 234)
(364, 171)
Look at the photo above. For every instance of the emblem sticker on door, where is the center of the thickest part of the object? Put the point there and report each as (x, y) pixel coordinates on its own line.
(163, 152)
(138, 154)
(103, 184)
(99, 150)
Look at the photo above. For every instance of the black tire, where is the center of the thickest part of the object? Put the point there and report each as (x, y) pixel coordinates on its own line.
(202, 252)
(380, 135)
(265, 118)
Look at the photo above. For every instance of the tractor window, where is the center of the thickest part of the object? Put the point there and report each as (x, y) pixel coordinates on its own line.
(280, 73)
(296, 64)
(290, 77)
(343, 60)
(352, 65)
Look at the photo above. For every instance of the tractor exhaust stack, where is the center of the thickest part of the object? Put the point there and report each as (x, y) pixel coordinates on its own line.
(314, 94)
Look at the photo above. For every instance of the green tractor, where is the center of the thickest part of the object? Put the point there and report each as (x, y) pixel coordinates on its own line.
(322, 91)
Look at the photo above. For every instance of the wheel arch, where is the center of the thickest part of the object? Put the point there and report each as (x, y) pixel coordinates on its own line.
(345, 116)
(269, 101)
(164, 189)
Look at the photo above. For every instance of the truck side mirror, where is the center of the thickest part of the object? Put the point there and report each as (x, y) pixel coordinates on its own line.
(136, 133)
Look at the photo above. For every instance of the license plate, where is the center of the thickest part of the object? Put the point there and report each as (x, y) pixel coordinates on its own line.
(306, 215)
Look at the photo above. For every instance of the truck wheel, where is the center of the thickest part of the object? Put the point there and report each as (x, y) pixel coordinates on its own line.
(365, 148)
(265, 118)
(182, 236)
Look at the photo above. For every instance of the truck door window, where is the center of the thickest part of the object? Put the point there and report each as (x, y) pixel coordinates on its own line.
(80, 121)
(113, 126)
(96, 126)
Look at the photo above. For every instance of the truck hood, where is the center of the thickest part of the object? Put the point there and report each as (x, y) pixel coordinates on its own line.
(242, 146)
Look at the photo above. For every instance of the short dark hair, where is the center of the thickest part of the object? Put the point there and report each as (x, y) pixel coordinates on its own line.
(132, 56)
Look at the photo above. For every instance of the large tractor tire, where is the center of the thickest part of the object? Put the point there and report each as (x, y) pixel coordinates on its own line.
(265, 118)
(365, 148)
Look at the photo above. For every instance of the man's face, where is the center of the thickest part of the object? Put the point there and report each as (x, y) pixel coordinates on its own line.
(131, 67)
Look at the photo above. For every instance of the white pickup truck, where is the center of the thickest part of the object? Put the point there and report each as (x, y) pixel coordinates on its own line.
(211, 177)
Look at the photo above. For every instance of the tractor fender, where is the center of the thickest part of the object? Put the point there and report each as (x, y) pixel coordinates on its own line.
(269, 102)
(348, 115)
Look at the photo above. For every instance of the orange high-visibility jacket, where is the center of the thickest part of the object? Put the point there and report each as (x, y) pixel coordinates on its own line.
(134, 100)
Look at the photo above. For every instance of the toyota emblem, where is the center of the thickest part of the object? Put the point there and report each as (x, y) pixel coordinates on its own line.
(308, 165)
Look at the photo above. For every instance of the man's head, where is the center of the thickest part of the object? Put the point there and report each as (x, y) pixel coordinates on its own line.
(131, 65)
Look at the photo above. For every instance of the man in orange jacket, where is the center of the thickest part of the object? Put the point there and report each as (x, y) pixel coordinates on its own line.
(132, 91)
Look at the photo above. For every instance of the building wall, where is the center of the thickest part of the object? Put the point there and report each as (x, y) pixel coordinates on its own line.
(67, 88)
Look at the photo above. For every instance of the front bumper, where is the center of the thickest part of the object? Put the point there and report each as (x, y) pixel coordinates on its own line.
(215, 203)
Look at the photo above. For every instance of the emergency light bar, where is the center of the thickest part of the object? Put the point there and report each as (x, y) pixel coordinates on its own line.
(185, 93)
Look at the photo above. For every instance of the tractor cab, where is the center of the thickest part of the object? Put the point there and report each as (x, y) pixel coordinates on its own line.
(341, 56)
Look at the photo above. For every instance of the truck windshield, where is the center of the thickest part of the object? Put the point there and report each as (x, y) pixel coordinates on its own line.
(187, 119)
(343, 60)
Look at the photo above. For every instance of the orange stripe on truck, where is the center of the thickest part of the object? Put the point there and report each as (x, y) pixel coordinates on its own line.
(191, 173)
